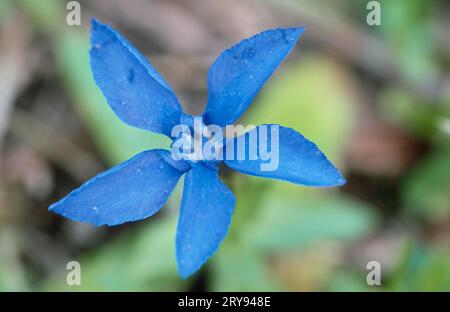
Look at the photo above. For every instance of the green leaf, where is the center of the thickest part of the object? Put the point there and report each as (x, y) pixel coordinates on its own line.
(238, 268)
(13, 273)
(47, 15)
(408, 28)
(416, 116)
(287, 222)
(422, 269)
(116, 140)
(4, 8)
(248, 201)
(347, 280)
(426, 191)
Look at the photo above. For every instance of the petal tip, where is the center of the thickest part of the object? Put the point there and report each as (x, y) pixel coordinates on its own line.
(96, 30)
(341, 181)
(54, 207)
(296, 32)
(184, 275)
(335, 178)
(95, 22)
(185, 271)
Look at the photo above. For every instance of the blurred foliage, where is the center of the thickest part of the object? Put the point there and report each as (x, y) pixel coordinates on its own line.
(426, 190)
(240, 268)
(4, 6)
(283, 237)
(422, 269)
(45, 14)
(408, 26)
(287, 222)
(405, 109)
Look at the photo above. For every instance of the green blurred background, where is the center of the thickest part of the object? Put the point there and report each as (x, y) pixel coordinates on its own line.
(376, 99)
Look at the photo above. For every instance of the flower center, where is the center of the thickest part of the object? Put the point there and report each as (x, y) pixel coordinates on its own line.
(193, 141)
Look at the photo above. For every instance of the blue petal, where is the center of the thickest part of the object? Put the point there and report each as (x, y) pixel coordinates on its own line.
(135, 91)
(240, 71)
(205, 216)
(133, 190)
(299, 160)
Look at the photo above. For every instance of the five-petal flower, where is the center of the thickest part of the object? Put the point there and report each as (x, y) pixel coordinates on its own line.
(140, 97)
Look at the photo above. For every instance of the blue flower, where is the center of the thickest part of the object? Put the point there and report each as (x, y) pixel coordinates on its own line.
(140, 97)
